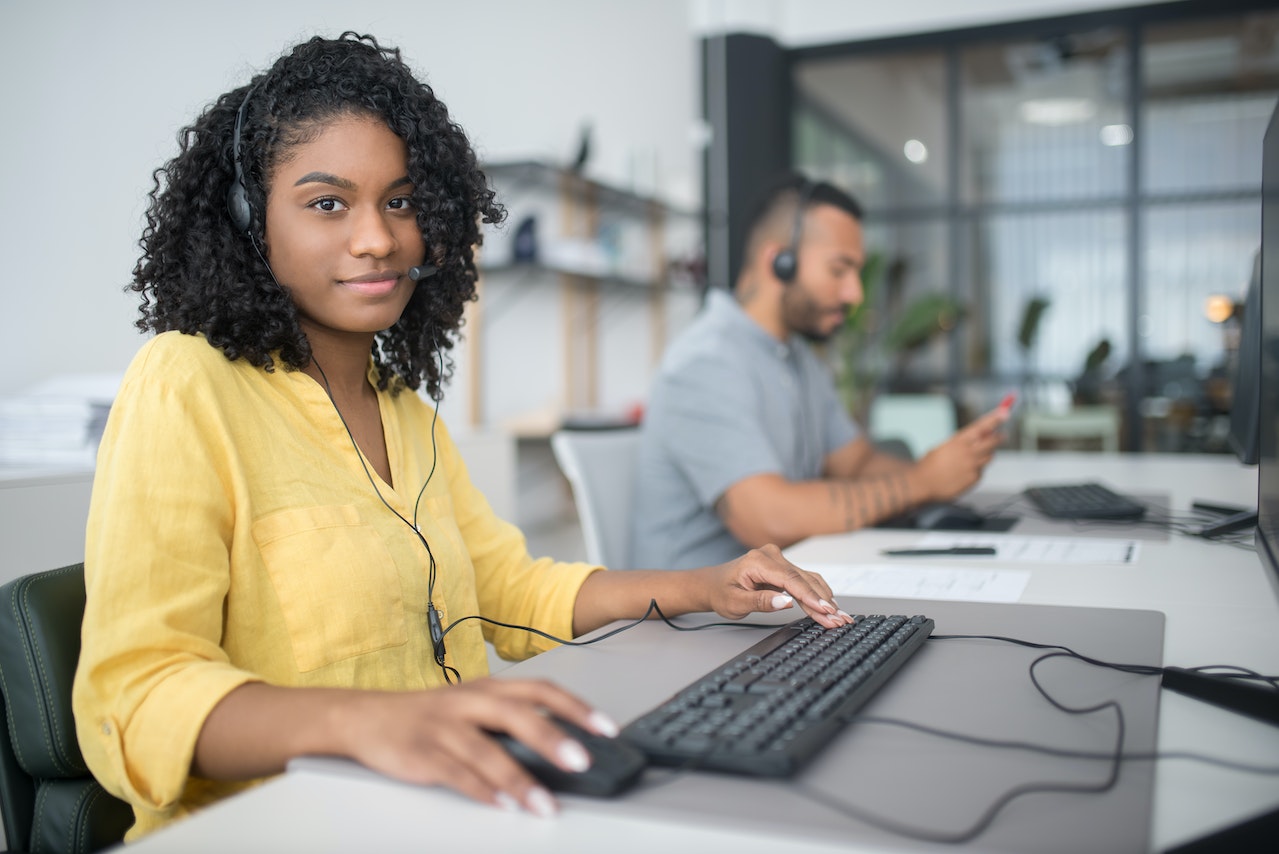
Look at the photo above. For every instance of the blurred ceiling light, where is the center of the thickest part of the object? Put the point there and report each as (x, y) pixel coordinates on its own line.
(1219, 308)
(915, 151)
(1116, 135)
(1057, 111)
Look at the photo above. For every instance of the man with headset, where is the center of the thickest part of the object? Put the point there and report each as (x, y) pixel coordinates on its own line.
(745, 441)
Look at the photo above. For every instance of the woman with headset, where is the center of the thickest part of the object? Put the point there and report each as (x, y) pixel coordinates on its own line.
(284, 549)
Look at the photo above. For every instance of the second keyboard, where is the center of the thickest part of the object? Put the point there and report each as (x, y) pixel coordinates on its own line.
(1084, 501)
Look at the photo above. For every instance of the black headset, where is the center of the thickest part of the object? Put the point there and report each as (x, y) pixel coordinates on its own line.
(786, 262)
(237, 197)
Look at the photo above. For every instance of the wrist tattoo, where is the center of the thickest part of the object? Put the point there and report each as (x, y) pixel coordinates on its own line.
(843, 503)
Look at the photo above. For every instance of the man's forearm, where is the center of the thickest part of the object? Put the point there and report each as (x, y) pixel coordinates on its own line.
(867, 501)
(770, 509)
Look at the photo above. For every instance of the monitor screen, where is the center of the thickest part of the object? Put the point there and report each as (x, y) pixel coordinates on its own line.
(1268, 404)
(1243, 435)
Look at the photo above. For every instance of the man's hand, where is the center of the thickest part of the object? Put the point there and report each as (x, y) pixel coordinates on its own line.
(956, 465)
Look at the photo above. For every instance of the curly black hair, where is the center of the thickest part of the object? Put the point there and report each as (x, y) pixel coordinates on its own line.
(199, 273)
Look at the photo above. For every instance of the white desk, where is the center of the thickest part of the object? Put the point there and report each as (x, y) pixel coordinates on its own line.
(1220, 609)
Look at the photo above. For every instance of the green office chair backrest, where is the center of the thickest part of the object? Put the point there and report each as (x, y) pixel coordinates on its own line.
(48, 799)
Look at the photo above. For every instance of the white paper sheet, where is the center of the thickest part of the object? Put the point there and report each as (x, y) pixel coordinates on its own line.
(913, 581)
(1038, 549)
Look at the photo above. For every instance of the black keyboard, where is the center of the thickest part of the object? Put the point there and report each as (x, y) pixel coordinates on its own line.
(1084, 501)
(768, 710)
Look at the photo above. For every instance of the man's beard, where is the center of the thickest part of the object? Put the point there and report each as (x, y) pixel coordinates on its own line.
(804, 317)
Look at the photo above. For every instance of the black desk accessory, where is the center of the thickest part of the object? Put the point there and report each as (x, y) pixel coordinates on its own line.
(1227, 692)
(1230, 524)
(945, 552)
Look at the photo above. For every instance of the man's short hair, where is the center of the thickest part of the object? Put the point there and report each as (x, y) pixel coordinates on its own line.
(780, 198)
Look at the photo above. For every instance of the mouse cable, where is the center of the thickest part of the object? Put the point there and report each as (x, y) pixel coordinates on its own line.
(1064, 752)
(1115, 757)
(653, 608)
(988, 816)
(1137, 669)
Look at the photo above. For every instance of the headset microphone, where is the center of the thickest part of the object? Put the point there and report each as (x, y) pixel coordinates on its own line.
(424, 271)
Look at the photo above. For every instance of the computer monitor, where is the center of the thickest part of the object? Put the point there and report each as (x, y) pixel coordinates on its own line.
(1268, 403)
(1243, 436)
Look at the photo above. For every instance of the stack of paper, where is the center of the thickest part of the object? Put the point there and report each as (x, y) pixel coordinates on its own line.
(58, 422)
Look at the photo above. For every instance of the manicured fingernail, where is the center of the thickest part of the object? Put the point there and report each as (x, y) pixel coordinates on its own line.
(782, 600)
(826, 606)
(506, 802)
(603, 724)
(845, 615)
(540, 803)
(573, 756)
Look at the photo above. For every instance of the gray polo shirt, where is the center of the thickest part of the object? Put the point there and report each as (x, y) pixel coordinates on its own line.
(730, 401)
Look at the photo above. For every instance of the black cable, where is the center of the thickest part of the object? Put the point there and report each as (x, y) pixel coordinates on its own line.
(983, 822)
(653, 608)
(436, 630)
(1063, 752)
(1114, 757)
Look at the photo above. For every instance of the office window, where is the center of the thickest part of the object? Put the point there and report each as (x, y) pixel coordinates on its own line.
(877, 126)
(1208, 90)
(909, 270)
(1073, 262)
(1042, 175)
(1044, 119)
(1103, 168)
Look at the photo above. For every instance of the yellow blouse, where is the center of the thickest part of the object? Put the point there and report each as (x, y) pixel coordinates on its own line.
(234, 536)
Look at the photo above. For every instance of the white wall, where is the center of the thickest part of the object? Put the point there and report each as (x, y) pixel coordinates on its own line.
(809, 22)
(93, 95)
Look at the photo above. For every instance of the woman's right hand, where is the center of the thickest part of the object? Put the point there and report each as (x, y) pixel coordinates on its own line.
(433, 737)
(441, 737)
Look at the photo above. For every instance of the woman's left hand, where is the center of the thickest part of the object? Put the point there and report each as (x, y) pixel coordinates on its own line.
(764, 580)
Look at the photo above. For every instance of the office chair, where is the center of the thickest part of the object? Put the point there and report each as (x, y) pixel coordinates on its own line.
(48, 799)
(600, 467)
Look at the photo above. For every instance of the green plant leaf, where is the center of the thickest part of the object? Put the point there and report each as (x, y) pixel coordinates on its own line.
(921, 320)
(1031, 316)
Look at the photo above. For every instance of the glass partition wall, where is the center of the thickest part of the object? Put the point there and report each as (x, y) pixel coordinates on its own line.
(1068, 208)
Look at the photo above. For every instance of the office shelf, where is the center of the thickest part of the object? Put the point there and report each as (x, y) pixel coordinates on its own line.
(591, 240)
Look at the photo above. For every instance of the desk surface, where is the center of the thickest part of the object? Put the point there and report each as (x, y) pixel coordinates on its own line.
(1219, 606)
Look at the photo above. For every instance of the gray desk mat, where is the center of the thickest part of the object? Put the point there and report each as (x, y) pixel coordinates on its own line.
(1031, 522)
(975, 687)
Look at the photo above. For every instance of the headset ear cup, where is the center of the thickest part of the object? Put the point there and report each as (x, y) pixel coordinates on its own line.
(237, 195)
(784, 264)
(237, 203)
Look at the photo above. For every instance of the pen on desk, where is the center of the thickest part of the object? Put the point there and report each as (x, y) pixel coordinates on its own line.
(954, 550)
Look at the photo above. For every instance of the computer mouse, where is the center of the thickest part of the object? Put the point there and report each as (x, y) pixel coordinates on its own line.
(615, 764)
(948, 517)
